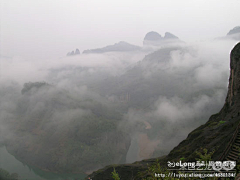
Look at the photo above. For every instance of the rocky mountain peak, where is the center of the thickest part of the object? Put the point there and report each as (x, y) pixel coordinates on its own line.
(152, 36)
(168, 35)
(234, 33)
(155, 39)
(77, 52)
(235, 30)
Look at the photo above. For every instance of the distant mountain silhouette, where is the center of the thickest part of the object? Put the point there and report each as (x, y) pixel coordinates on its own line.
(155, 39)
(234, 30)
(121, 46)
(77, 52)
(168, 35)
(234, 33)
(153, 36)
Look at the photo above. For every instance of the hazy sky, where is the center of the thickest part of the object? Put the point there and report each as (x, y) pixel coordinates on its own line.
(51, 28)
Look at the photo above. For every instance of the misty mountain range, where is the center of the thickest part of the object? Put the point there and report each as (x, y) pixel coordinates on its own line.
(151, 39)
(121, 46)
(97, 108)
(77, 52)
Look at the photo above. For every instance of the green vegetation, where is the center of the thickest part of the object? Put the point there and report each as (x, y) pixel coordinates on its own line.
(204, 155)
(115, 175)
(155, 169)
(182, 159)
(5, 175)
(221, 122)
(212, 124)
(152, 170)
(215, 124)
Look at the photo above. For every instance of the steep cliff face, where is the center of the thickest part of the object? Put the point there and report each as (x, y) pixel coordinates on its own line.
(234, 81)
(215, 134)
(218, 131)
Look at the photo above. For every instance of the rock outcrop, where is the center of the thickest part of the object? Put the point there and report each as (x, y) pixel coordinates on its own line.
(214, 135)
(234, 81)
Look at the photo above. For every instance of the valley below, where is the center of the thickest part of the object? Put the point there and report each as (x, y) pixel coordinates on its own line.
(113, 105)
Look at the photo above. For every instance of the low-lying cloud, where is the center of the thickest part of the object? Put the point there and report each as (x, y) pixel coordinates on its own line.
(181, 92)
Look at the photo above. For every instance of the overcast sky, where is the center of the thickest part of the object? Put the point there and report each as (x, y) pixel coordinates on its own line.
(51, 28)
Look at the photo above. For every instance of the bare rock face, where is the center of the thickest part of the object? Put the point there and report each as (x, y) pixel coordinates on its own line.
(215, 134)
(234, 80)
